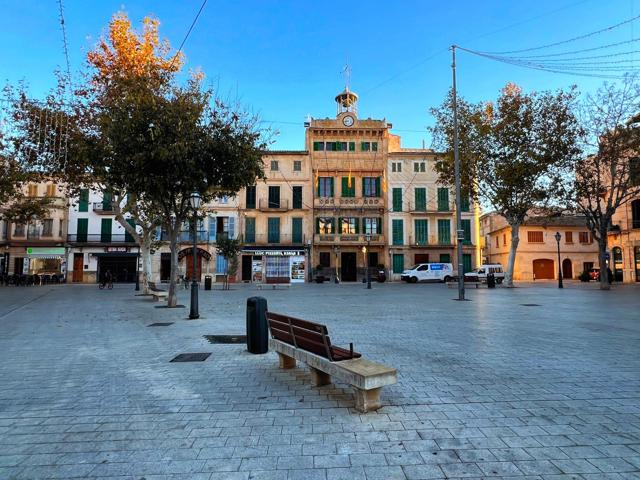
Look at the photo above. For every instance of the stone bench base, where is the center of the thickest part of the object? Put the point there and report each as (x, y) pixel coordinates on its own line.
(159, 295)
(273, 285)
(365, 376)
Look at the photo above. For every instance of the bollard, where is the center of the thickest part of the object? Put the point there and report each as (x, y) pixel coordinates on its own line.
(257, 328)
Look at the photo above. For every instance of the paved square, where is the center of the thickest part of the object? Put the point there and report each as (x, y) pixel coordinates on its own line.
(487, 388)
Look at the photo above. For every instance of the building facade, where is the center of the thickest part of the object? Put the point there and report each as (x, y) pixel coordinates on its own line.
(624, 242)
(537, 254)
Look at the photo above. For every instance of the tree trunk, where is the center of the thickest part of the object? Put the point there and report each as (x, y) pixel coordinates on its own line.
(602, 261)
(511, 263)
(145, 254)
(172, 300)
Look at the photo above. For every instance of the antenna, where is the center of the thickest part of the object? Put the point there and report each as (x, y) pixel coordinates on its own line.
(346, 72)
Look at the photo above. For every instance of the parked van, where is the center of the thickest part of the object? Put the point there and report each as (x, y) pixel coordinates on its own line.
(480, 274)
(424, 272)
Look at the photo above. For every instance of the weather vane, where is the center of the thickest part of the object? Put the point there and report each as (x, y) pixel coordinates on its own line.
(346, 71)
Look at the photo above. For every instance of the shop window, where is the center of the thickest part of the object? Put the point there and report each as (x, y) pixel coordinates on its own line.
(535, 237)
(297, 165)
(251, 197)
(277, 267)
(325, 187)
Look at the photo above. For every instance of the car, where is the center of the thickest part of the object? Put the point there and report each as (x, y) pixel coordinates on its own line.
(429, 272)
(480, 273)
(594, 274)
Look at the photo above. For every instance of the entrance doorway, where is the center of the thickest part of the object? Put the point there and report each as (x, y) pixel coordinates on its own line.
(567, 269)
(165, 267)
(18, 266)
(348, 267)
(246, 268)
(122, 268)
(421, 258)
(543, 269)
(189, 266)
(373, 260)
(78, 266)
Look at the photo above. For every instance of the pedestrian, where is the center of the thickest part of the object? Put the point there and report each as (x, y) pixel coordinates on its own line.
(609, 275)
(108, 276)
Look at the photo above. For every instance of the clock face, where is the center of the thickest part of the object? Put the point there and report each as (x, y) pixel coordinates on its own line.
(347, 121)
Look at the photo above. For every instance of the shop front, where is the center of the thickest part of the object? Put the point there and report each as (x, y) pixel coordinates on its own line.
(273, 265)
(45, 261)
(121, 264)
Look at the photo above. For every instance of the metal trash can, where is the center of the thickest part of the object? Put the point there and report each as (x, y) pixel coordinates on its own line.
(257, 328)
(207, 282)
(491, 280)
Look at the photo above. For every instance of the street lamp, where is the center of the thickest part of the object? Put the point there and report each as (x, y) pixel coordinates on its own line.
(195, 201)
(368, 238)
(558, 237)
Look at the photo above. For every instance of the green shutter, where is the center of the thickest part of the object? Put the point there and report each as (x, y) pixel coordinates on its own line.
(83, 205)
(317, 225)
(106, 201)
(339, 230)
(273, 227)
(397, 199)
(444, 232)
(374, 146)
(357, 225)
(250, 195)
(397, 232)
(105, 230)
(378, 189)
(421, 199)
(331, 184)
(82, 229)
(346, 191)
(296, 230)
(398, 263)
(445, 258)
(379, 226)
(466, 263)
(250, 230)
(464, 204)
(421, 232)
(443, 199)
(466, 227)
(352, 146)
(127, 236)
(297, 197)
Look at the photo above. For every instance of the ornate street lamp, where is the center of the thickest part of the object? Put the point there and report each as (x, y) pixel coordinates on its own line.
(368, 238)
(558, 237)
(195, 201)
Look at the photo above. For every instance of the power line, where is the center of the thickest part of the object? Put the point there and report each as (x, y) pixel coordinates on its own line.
(65, 45)
(592, 49)
(188, 33)
(574, 39)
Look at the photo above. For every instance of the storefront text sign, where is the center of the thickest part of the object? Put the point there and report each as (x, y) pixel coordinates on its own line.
(117, 249)
(276, 253)
(45, 250)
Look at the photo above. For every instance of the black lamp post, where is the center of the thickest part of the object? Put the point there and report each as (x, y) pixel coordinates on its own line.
(195, 204)
(138, 270)
(368, 237)
(558, 237)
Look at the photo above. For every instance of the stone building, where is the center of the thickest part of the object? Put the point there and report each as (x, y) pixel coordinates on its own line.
(624, 242)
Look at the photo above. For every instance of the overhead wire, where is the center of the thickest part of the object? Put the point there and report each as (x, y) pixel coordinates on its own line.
(184, 40)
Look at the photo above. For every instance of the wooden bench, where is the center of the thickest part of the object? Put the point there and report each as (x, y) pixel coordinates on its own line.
(295, 339)
(467, 285)
(157, 293)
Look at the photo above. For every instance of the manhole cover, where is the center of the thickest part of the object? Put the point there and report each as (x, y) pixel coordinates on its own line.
(226, 338)
(160, 324)
(191, 357)
(529, 304)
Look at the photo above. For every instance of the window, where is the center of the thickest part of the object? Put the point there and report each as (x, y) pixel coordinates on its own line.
(584, 237)
(635, 214)
(224, 199)
(18, 230)
(297, 196)
(348, 187)
(419, 167)
(464, 204)
(296, 230)
(397, 233)
(369, 146)
(352, 146)
(421, 199)
(274, 165)
(398, 263)
(466, 228)
(128, 237)
(325, 225)
(348, 225)
(634, 171)
(445, 258)
(33, 190)
(221, 264)
(106, 201)
(397, 199)
(82, 229)
(443, 199)
(374, 146)
(568, 237)
(274, 197)
(504, 239)
(318, 146)
(497, 242)
(51, 190)
(535, 237)
(325, 259)
(249, 230)
(371, 186)
(273, 228)
(396, 167)
(372, 226)
(421, 228)
(341, 146)
(444, 232)
(105, 230)
(325, 187)
(251, 197)
(83, 205)
(47, 227)
(297, 165)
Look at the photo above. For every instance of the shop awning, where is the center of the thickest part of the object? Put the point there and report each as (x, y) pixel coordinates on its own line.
(45, 252)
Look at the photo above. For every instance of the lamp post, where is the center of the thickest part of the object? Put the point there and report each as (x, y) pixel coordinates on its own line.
(368, 237)
(138, 270)
(558, 237)
(195, 200)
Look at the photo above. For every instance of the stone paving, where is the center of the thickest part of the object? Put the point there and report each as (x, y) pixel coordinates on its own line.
(487, 388)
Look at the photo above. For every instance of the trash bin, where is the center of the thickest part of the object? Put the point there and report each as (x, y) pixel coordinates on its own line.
(207, 282)
(491, 280)
(257, 329)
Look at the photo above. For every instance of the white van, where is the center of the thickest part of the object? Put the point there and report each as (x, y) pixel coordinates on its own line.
(480, 274)
(424, 272)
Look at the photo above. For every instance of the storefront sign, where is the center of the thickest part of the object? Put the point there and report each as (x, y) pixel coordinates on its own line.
(275, 253)
(116, 249)
(45, 250)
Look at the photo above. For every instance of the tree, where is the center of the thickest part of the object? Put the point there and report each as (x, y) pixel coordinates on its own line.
(515, 154)
(609, 175)
(229, 248)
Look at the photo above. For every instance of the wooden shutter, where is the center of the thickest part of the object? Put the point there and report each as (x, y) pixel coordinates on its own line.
(82, 229)
(83, 205)
(378, 189)
(379, 225)
(105, 230)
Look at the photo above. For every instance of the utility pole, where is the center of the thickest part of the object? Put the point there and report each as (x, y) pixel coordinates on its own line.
(456, 159)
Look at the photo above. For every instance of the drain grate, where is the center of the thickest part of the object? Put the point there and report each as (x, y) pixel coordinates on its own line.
(530, 305)
(160, 324)
(226, 338)
(191, 357)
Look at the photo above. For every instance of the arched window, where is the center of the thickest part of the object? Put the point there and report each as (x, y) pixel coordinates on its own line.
(635, 213)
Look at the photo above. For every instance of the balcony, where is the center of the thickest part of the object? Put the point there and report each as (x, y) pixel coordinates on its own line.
(100, 238)
(366, 203)
(103, 208)
(266, 239)
(427, 210)
(433, 241)
(347, 239)
(265, 205)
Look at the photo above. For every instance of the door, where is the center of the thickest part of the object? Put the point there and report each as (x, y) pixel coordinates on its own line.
(246, 268)
(348, 267)
(421, 258)
(373, 261)
(423, 273)
(78, 266)
(543, 269)
(189, 266)
(18, 266)
(567, 269)
(165, 267)
(122, 268)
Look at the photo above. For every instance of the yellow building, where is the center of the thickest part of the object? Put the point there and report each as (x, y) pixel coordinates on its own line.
(624, 242)
(537, 254)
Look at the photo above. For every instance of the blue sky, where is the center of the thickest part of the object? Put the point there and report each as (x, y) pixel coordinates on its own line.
(283, 58)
